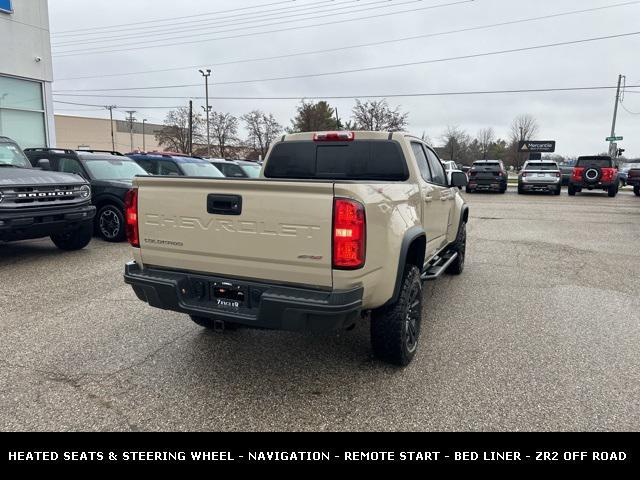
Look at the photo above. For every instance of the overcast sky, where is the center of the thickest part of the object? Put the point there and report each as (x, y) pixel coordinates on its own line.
(579, 121)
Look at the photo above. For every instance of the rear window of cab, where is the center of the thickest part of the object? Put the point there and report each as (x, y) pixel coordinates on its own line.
(355, 160)
(542, 166)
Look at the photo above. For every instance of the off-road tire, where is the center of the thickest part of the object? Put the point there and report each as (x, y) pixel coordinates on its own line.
(209, 324)
(74, 240)
(395, 328)
(613, 191)
(636, 190)
(572, 191)
(558, 191)
(469, 190)
(110, 224)
(520, 190)
(460, 247)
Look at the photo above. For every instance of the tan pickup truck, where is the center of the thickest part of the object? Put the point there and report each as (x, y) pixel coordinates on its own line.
(339, 226)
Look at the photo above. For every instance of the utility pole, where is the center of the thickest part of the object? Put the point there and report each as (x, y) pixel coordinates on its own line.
(131, 120)
(612, 145)
(144, 142)
(190, 141)
(113, 139)
(206, 74)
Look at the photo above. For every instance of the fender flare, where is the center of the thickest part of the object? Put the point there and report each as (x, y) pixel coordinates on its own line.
(410, 236)
(464, 218)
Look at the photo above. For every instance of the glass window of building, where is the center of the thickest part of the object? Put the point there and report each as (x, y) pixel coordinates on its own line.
(22, 116)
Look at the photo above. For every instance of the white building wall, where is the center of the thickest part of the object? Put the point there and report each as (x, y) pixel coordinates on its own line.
(25, 50)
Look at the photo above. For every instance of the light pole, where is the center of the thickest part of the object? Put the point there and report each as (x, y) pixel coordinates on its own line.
(113, 140)
(206, 74)
(144, 143)
(131, 120)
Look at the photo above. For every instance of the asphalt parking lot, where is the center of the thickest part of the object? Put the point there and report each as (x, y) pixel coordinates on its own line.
(541, 332)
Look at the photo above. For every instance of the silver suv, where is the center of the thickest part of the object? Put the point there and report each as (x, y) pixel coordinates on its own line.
(540, 176)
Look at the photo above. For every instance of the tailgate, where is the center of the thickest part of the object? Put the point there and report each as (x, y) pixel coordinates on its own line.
(262, 230)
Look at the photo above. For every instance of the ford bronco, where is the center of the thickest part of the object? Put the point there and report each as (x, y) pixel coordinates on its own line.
(339, 226)
(38, 204)
(594, 173)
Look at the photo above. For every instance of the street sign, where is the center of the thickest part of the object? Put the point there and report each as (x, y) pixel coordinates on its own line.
(5, 6)
(537, 146)
(615, 139)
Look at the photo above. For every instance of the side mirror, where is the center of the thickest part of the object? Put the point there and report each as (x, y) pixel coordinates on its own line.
(459, 179)
(44, 164)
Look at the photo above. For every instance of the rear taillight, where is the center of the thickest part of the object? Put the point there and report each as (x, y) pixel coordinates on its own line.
(608, 174)
(558, 175)
(349, 234)
(577, 173)
(334, 137)
(131, 217)
(524, 174)
(472, 173)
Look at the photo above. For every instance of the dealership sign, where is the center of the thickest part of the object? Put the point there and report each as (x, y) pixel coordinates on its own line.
(5, 6)
(534, 146)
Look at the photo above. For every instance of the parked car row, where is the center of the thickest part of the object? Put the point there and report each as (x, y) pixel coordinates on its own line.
(109, 175)
(589, 173)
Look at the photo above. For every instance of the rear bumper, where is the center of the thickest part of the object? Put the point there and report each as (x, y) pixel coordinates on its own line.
(43, 223)
(487, 184)
(265, 306)
(593, 185)
(539, 187)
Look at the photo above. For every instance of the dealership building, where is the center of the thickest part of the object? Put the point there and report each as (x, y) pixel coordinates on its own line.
(26, 73)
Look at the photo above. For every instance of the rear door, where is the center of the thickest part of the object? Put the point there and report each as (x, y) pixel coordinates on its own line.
(276, 231)
(435, 210)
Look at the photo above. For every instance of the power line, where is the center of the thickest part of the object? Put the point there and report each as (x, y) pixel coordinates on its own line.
(215, 24)
(95, 105)
(72, 53)
(168, 19)
(364, 69)
(627, 110)
(361, 45)
(359, 96)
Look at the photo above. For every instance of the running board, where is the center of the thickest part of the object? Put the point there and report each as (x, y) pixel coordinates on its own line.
(438, 268)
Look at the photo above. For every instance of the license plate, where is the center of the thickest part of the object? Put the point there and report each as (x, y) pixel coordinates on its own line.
(228, 295)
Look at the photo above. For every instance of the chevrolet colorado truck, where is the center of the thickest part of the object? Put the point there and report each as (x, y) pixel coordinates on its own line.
(38, 204)
(339, 226)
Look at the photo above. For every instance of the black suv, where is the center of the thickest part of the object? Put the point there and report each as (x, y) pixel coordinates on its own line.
(175, 164)
(488, 175)
(594, 173)
(110, 174)
(37, 204)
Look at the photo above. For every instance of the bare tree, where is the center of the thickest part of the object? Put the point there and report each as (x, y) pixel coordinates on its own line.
(523, 127)
(486, 138)
(456, 143)
(262, 130)
(175, 133)
(224, 127)
(377, 116)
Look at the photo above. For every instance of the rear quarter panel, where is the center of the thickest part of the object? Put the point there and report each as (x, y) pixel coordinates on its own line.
(391, 210)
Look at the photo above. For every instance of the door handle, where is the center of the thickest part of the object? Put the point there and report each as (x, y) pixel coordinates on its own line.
(428, 198)
(224, 204)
